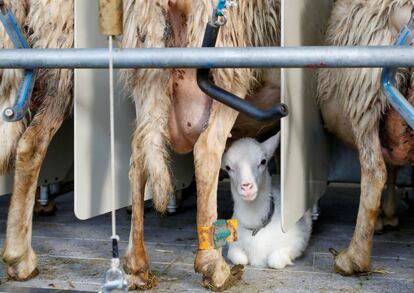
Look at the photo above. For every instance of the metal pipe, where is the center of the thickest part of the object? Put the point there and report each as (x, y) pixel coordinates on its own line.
(278, 111)
(287, 57)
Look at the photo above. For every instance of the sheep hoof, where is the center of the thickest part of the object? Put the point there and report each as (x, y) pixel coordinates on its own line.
(385, 223)
(217, 275)
(346, 264)
(24, 269)
(391, 223)
(142, 281)
(47, 210)
(234, 277)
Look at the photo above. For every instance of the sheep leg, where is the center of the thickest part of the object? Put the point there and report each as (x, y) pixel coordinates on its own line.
(208, 151)
(388, 217)
(356, 258)
(31, 150)
(136, 257)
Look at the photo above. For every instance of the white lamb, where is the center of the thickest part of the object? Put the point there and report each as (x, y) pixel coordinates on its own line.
(261, 241)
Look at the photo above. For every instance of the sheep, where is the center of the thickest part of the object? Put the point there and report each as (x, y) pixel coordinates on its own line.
(257, 201)
(355, 109)
(173, 113)
(46, 24)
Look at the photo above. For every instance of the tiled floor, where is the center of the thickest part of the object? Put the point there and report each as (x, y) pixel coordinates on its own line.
(74, 254)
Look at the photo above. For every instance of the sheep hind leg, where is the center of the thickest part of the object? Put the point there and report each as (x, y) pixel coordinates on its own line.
(31, 150)
(357, 257)
(208, 150)
(136, 257)
(388, 218)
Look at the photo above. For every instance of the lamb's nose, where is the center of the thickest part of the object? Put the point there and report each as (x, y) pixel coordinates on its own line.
(247, 186)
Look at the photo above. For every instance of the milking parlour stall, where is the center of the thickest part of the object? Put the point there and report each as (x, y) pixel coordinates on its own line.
(206, 145)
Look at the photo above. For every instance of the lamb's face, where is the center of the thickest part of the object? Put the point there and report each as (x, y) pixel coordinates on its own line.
(246, 163)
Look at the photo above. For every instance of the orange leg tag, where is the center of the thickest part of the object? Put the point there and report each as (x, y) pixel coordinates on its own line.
(217, 235)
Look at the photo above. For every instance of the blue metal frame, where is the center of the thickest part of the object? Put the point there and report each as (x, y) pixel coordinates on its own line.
(22, 104)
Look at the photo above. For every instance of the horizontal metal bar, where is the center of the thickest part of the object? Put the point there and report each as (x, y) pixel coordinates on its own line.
(287, 57)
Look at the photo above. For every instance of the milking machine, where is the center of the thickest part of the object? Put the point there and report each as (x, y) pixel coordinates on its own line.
(218, 20)
(388, 82)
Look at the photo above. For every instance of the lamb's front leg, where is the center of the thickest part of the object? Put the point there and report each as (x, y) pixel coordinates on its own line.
(357, 257)
(208, 151)
(18, 252)
(280, 258)
(236, 255)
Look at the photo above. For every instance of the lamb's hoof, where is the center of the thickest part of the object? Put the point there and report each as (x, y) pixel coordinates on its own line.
(279, 260)
(142, 281)
(217, 275)
(47, 210)
(346, 264)
(22, 269)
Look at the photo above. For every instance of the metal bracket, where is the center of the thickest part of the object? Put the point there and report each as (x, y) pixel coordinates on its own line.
(22, 104)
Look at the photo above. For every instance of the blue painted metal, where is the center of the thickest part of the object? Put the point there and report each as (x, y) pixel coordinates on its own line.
(22, 104)
(221, 6)
(389, 84)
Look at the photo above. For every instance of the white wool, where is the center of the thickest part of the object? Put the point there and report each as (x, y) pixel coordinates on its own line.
(270, 247)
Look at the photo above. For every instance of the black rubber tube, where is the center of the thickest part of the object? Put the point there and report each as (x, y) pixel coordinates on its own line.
(233, 101)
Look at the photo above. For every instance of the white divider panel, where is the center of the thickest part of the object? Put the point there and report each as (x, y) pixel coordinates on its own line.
(6, 184)
(92, 169)
(92, 160)
(304, 150)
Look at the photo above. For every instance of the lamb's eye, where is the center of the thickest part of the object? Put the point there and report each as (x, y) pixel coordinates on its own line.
(228, 168)
(263, 162)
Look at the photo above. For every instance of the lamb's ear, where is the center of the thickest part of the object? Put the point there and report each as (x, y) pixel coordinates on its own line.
(271, 145)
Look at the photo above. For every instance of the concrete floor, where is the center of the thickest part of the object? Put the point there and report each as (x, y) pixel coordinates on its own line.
(74, 254)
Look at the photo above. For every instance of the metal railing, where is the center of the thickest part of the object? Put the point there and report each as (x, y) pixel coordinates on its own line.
(265, 57)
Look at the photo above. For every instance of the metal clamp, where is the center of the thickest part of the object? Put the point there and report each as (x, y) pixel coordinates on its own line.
(219, 13)
(389, 84)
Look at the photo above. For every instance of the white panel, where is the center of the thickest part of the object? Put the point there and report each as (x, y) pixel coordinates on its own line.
(92, 170)
(92, 177)
(304, 147)
(6, 184)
